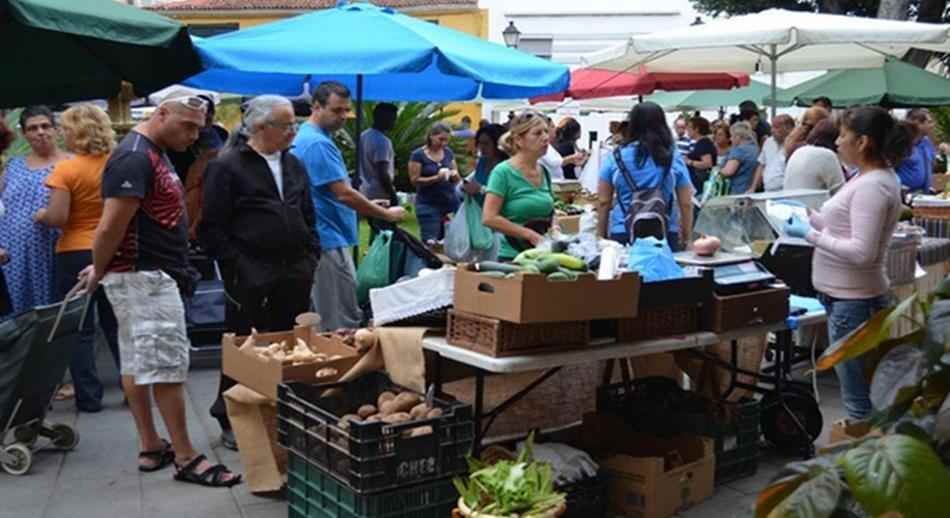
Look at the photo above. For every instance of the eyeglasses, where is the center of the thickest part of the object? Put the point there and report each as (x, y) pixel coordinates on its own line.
(192, 102)
(286, 126)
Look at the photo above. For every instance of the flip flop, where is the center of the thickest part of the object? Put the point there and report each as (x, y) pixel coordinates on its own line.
(162, 457)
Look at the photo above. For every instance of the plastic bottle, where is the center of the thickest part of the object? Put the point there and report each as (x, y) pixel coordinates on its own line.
(608, 264)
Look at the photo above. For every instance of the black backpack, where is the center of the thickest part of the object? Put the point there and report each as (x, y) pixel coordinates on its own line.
(648, 211)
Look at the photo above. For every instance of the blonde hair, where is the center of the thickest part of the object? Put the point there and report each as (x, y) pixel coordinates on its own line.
(743, 130)
(91, 129)
(520, 125)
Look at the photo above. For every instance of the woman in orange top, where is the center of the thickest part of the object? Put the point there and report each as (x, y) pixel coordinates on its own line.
(75, 206)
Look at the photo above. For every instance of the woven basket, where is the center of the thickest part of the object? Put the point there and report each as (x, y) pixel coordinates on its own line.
(931, 212)
(499, 338)
(681, 319)
(464, 511)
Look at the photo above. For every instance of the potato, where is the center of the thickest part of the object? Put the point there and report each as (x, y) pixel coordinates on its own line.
(388, 407)
(419, 411)
(327, 372)
(405, 401)
(384, 397)
(375, 418)
(365, 339)
(433, 413)
(398, 417)
(422, 430)
(366, 411)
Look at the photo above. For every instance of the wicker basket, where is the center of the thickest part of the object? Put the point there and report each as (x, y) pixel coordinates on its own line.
(901, 260)
(680, 319)
(499, 338)
(931, 212)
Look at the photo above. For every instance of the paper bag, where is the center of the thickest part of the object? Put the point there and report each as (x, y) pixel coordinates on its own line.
(254, 420)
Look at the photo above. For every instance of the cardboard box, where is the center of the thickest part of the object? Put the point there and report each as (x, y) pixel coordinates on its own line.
(531, 298)
(263, 375)
(569, 224)
(847, 430)
(649, 477)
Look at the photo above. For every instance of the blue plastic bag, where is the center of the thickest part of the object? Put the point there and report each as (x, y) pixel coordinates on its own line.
(653, 259)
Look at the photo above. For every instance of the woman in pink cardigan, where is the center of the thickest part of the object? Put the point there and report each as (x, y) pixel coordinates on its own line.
(851, 235)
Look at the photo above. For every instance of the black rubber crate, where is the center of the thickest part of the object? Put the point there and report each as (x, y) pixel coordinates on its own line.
(371, 457)
(586, 498)
(314, 493)
(658, 406)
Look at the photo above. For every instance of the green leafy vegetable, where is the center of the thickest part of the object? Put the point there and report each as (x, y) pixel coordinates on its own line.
(522, 486)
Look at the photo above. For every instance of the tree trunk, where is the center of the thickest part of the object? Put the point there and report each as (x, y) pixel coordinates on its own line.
(893, 9)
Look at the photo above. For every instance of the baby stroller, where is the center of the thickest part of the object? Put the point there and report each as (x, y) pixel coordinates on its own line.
(32, 365)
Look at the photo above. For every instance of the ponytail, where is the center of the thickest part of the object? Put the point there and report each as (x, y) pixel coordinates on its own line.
(898, 143)
(891, 141)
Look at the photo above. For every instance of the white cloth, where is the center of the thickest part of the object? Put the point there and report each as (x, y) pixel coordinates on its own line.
(568, 464)
(273, 162)
(413, 297)
(813, 167)
(772, 158)
(552, 162)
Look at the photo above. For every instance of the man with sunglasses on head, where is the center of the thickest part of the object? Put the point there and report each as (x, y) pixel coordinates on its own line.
(140, 257)
(258, 222)
(337, 204)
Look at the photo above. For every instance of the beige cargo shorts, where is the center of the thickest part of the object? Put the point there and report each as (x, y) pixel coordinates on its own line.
(153, 342)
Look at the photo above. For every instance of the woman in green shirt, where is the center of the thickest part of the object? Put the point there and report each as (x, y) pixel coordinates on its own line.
(518, 203)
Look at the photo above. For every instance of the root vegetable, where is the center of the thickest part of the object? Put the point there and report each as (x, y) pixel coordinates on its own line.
(375, 418)
(388, 407)
(419, 411)
(384, 397)
(366, 411)
(435, 412)
(398, 417)
(365, 340)
(422, 430)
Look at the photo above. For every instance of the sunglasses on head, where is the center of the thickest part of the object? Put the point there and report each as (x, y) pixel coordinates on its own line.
(192, 102)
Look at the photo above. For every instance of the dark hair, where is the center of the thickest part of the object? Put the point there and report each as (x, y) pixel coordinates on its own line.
(569, 131)
(327, 88)
(493, 132)
(748, 105)
(437, 129)
(746, 115)
(384, 116)
(647, 124)
(35, 111)
(209, 104)
(891, 141)
(6, 136)
(918, 115)
(701, 125)
(823, 101)
(824, 134)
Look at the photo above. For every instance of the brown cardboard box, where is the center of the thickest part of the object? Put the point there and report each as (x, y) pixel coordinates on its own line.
(847, 430)
(569, 224)
(263, 376)
(530, 298)
(648, 477)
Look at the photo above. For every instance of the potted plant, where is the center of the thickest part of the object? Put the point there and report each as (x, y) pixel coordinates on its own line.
(510, 488)
(903, 472)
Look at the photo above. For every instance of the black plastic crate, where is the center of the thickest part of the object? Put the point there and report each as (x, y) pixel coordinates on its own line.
(371, 457)
(658, 406)
(586, 498)
(314, 493)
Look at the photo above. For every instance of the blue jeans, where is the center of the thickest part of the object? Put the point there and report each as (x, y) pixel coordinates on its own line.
(844, 316)
(431, 221)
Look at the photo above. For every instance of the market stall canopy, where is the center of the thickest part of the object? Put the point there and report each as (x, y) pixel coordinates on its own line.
(895, 85)
(703, 99)
(67, 50)
(774, 41)
(397, 56)
(594, 83)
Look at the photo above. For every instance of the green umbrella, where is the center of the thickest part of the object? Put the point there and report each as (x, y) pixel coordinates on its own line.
(70, 50)
(895, 85)
(700, 99)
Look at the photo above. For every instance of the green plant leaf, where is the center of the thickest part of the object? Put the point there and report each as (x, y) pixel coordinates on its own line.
(898, 473)
(815, 497)
(873, 357)
(790, 478)
(903, 366)
(902, 403)
(865, 338)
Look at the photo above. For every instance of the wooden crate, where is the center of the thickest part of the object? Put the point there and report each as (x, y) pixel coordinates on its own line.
(729, 312)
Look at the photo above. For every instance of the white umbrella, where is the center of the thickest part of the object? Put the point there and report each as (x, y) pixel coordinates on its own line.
(774, 41)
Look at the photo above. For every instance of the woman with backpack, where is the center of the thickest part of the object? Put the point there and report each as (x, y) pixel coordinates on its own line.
(650, 180)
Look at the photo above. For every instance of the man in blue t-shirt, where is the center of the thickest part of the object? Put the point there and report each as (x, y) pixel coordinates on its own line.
(337, 203)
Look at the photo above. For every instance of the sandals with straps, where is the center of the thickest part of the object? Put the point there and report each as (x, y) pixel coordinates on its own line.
(162, 457)
(211, 477)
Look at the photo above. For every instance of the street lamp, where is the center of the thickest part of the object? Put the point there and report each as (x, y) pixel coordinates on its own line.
(512, 36)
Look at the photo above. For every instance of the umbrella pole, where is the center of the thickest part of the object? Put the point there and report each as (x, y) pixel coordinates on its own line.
(773, 58)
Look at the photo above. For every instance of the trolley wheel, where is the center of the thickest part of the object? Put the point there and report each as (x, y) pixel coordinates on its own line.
(780, 428)
(65, 437)
(18, 459)
(26, 434)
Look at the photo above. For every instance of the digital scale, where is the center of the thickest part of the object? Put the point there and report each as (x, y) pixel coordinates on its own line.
(732, 273)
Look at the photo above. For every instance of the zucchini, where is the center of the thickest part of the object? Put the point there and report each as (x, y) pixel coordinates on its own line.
(494, 275)
(492, 266)
(531, 267)
(548, 265)
(558, 277)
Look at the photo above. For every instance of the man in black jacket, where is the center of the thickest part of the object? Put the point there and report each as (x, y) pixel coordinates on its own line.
(258, 221)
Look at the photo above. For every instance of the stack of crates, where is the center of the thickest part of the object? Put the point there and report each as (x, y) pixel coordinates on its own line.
(369, 470)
